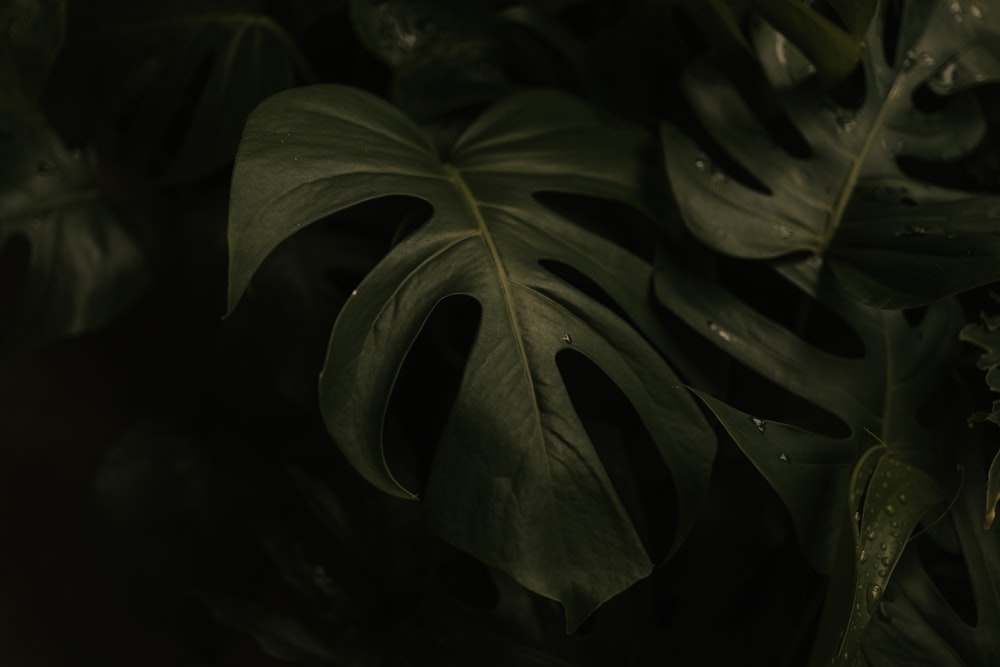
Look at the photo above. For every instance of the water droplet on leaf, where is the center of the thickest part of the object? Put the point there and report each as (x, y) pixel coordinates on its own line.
(890, 510)
(863, 556)
(566, 338)
(784, 457)
(759, 424)
(874, 595)
(903, 498)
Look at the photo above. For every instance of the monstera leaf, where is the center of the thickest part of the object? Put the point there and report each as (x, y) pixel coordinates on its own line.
(200, 67)
(987, 337)
(887, 498)
(917, 624)
(515, 479)
(879, 392)
(81, 266)
(892, 241)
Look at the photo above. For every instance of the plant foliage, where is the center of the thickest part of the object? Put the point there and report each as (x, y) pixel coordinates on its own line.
(558, 332)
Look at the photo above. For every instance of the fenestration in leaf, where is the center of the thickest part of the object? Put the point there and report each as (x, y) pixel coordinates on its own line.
(893, 241)
(515, 480)
(880, 392)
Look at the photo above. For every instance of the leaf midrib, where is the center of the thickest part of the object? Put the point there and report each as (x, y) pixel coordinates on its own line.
(503, 279)
(854, 172)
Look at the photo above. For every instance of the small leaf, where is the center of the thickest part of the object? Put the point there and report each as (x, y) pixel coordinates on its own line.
(921, 625)
(83, 267)
(896, 496)
(987, 337)
(515, 480)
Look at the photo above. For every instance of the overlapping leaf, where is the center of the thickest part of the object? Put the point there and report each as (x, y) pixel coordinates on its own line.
(987, 337)
(515, 480)
(887, 497)
(893, 241)
(82, 266)
(201, 68)
(880, 391)
(919, 625)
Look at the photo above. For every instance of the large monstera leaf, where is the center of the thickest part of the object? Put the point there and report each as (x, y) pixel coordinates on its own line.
(893, 241)
(515, 479)
(879, 392)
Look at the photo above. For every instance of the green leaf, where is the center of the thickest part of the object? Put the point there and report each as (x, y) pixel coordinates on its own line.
(919, 625)
(878, 392)
(82, 267)
(833, 51)
(515, 480)
(892, 241)
(987, 337)
(33, 33)
(887, 498)
(194, 66)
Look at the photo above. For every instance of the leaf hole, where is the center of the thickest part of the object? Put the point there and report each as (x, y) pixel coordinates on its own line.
(850, 92)
(640, 476)
(915, 316)
(950, 576)
(614, 221)
(926, 100)
(755, 394)
(426, 388)
(721, 158)
(582, 282)
(758, 285)
(891, 22)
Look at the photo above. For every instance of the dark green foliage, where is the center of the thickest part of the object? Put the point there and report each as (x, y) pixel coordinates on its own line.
(557, 332)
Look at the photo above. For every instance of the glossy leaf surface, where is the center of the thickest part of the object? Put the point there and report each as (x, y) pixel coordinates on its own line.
(514, 480)
(877, 392)
(892, 240)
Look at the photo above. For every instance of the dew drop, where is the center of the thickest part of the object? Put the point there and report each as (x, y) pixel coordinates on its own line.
(719, 331)
(890, 510)
(927, 59)
(956, 11)
(886, 561)
(718, 178)
(883, 546)
(870, 534)
(911, 58)
(354, 292)
(903, 498)
(863, 556)
(944, 78)
(700, 164)
(882, 573)
(758, 423)
(976, 11)
(784, 457)
(566, 338)
(857, 517)
(874, 595)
